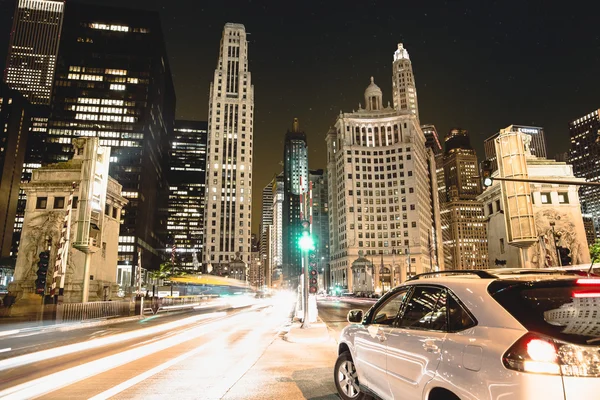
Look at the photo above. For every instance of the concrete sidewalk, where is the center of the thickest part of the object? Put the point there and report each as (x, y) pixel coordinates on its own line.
(297, 365)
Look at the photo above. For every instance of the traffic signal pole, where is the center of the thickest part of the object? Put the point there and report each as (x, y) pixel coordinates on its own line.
(305, 320)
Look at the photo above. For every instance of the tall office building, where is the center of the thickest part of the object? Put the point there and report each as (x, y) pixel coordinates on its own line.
(435, 163)
(403, 83)
(276, 239)
(295, 177)
(187, 172)
(432, 139)
(464, 231)
(537, 143)
(266, 219)
(33, 48)
(30, 67)
(379, 194)
(320, 224)
(113, 81)
(584, 155)
(228, 212)
(15, 119)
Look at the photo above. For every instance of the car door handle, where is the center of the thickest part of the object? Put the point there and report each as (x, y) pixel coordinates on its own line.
(381, 336)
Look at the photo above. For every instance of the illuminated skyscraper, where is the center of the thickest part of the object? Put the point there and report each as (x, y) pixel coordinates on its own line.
(33, 48)
(228, 211)
(379, 189)
(403, 83)
(295, 175)
(585, 158)
(463, 220)
(266, 219)
(187, 172)
(113, 81)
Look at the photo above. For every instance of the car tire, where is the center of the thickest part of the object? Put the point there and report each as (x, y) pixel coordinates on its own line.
(346, 379)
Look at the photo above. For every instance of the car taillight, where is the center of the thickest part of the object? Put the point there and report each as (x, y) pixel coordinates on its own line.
(538, 354)
(588, 281)
(579, 295)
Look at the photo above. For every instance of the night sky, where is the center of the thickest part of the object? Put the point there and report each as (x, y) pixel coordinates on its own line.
(479, 65)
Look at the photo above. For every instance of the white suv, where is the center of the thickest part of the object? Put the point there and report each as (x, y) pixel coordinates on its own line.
(493, 334)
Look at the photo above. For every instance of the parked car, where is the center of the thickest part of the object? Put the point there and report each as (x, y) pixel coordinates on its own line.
(476, 335)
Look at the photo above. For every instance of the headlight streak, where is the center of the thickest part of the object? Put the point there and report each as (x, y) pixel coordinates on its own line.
(57, 380)
(95, 343)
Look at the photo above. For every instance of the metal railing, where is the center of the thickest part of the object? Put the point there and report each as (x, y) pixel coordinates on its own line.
(93, 310)
(165, 304)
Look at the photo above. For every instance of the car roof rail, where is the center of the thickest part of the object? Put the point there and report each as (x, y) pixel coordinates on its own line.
(480, 273)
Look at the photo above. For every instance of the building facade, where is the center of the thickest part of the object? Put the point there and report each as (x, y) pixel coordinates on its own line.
(584, 156)
(435, 163)
(15, 120)
(276, 241)
(320, 224)
(187, 174)
(557, 215)
(228, 209)
(295, 180)
(48, 196)
(379, 193)
(537, 143)
(404, 88)
(33, 48)
(113, 81)
(464, 231)
(266, 220)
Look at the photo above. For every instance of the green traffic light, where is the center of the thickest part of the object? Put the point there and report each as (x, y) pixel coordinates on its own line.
(306, 242)
(487, 181)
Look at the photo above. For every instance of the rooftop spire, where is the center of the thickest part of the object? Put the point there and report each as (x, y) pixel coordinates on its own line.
(296, 125)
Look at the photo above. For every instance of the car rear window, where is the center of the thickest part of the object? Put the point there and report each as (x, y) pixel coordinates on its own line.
(566, 309)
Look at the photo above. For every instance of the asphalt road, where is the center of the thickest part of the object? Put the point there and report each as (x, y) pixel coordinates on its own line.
(201, 355)
(206, 354)
(334, 310)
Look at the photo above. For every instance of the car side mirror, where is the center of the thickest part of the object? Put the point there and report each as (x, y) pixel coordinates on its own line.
(355, 316)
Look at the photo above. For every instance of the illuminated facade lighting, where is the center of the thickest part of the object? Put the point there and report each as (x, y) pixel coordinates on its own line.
(583, 155)
(33, 48)
(463, 232)
(229, 159)
(379, 194)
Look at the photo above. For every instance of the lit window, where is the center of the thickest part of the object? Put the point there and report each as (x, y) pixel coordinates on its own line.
(545, 198)
(115, 86)
(563, 198)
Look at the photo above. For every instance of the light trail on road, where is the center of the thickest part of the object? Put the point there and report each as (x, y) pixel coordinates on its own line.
(95, 343)
(230, 343)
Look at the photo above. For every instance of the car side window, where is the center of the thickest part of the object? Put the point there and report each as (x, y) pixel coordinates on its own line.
(388, 311)
(426, 309)
(459, 318)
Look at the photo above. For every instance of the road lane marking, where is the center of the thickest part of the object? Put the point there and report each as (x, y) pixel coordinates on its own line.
(142, 377)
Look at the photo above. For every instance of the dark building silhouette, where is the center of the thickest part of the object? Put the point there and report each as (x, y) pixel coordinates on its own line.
(113, 81)
(187, 176)
(15, 119)
(295, 176)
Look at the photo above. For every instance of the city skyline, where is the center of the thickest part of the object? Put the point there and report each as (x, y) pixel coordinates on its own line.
(506, 75)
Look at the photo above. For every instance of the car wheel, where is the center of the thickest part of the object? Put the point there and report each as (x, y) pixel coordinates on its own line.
(346, 379)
